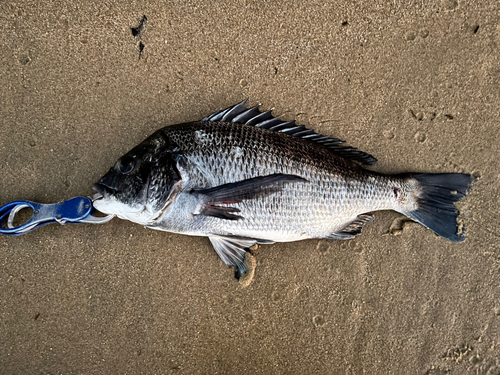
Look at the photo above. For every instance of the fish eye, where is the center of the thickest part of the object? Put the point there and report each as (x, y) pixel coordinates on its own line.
(127, 165)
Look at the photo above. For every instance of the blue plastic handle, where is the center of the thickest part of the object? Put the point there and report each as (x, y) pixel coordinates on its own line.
(69, 211)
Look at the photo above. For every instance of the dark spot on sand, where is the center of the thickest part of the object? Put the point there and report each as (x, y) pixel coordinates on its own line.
(276, 296)
(25, 60)
(136, 31)
(141, 48)
(476, 29)
(318, 321)
(345, 23)
(449, 117)
(417, 116)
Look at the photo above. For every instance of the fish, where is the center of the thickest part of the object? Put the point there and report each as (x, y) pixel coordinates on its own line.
(241, 177)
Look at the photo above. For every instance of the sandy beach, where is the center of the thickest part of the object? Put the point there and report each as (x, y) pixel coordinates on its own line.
(417, 86)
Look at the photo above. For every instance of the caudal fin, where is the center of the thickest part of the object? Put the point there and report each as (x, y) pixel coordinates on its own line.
(437, 194)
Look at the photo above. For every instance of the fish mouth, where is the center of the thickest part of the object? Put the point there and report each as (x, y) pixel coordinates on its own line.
(104, 190)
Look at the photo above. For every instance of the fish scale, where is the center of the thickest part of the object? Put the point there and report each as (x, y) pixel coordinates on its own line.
(241, 177)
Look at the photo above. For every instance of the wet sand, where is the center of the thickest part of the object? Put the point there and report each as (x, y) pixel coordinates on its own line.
(417, 86)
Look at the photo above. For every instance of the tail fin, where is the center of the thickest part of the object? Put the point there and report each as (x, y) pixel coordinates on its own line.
(436, 209)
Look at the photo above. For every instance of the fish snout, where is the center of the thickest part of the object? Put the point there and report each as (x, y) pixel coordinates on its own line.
(108, 184)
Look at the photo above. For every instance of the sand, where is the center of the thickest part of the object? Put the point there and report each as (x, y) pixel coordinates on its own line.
(418, 86)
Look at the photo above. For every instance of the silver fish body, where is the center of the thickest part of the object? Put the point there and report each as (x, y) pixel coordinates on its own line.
(332, 192)
(242, 177)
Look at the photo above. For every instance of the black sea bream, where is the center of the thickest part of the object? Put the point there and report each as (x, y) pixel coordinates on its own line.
(241, 177)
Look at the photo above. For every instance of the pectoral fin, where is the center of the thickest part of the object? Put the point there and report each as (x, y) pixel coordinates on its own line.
(232, 251)
(252, 188)
(237, 192)
(220, 212)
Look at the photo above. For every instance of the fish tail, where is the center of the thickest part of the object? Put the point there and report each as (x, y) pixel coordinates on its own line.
(433, 202)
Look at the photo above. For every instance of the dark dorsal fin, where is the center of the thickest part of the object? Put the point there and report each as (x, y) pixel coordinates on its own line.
(241, 114)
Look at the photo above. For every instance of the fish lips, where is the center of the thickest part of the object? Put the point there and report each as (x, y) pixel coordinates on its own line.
(102, 189)
(109, 184)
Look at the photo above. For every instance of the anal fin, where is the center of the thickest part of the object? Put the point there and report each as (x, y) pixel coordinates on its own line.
(353, 228)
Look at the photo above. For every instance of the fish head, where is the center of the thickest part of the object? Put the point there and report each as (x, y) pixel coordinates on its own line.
(141, 184)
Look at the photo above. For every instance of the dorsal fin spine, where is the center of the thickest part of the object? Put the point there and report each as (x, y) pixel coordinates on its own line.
(240, 114)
